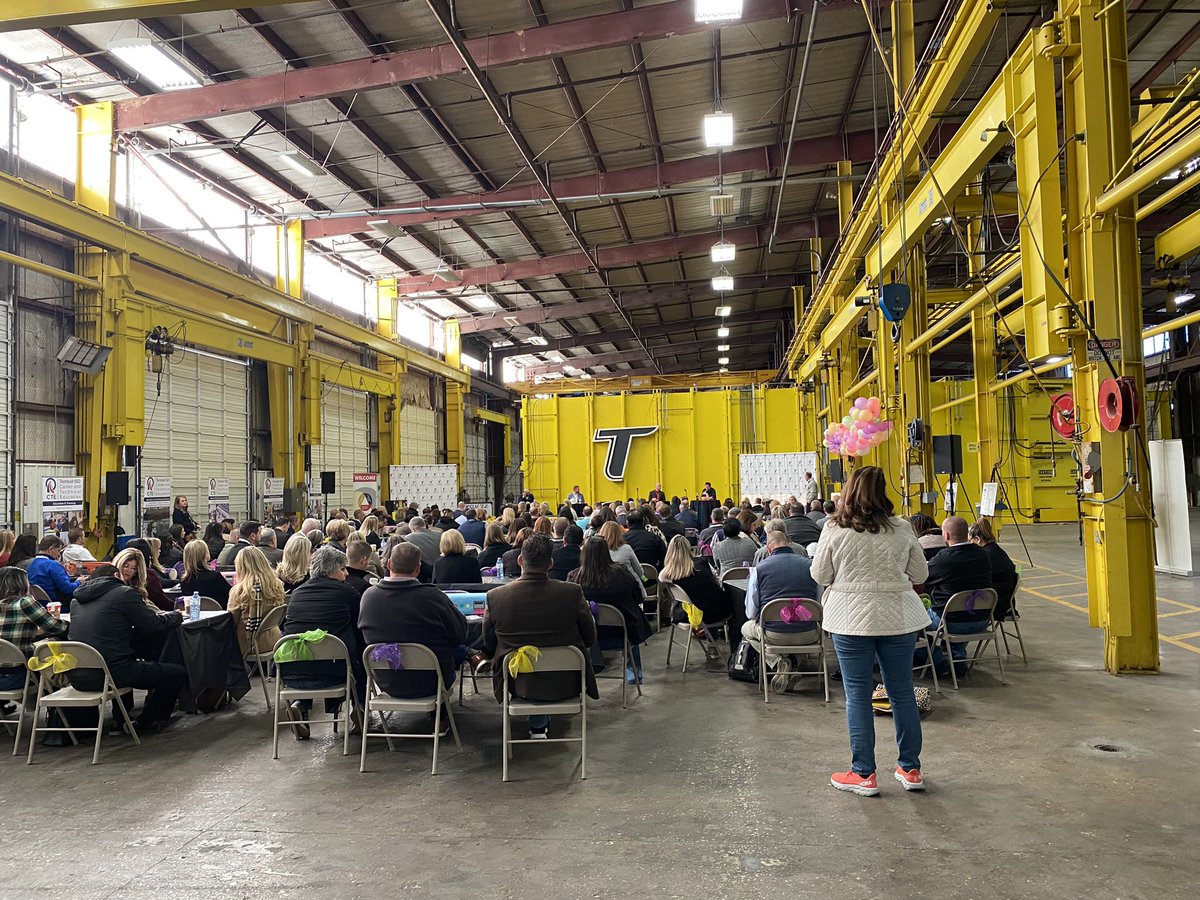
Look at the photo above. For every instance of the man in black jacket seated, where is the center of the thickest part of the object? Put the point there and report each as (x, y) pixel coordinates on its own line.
(401, 610)
(326, 602)
(566, 558)
(648, 548)
(667, 525)
(800, 528)
(110, 616)
(962, 566)
(358, 555)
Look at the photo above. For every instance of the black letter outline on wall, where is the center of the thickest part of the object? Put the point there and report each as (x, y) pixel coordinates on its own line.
(619, 441)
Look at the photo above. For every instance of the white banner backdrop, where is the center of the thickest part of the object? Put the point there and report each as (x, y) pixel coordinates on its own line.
(424, 485)
(777, 476)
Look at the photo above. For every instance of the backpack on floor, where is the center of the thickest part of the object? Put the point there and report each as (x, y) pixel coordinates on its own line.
(743, 663)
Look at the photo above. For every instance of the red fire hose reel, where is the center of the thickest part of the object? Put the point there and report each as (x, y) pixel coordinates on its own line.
(1062, 415)
(1117, 404)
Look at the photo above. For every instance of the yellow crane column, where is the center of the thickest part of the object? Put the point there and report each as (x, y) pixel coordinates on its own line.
(288, 387)
(1106, 285)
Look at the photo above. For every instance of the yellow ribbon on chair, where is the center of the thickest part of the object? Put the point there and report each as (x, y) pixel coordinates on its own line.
(58, 661)
(522, 659)
(695, 615)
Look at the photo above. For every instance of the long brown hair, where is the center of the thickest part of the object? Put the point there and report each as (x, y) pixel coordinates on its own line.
(865, 505)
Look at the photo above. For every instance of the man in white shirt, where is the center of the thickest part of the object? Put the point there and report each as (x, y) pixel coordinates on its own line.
(808, 489)
(75, 553)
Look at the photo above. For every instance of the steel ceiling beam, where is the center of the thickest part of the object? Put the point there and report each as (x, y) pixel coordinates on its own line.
(1169, 59)
(615, 257)
(858, 146)
(18, 15)
(405, 67)
(666, 351)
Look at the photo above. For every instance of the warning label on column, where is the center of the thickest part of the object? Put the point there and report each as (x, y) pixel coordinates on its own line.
(1111, 346)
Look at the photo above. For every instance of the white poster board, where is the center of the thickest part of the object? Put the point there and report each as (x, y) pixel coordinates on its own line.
(1172, 537)
(777, 476)
(62, 503)
(218, 499)
(987, 498)
(423, 485)
(366, 490)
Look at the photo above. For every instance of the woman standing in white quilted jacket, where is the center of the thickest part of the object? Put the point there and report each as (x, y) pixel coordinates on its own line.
(868, 560)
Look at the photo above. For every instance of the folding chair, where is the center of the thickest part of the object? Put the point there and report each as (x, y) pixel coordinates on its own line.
(39, 594)
(330, 647)
(982, 600)
(679, 596)
(737, 573)
(474, 547)
(552, 659)
(812, 642)
(413, 658)
(87, 657)
(608, 615)
(253, 657)
(1013, 617)
(208, 604)
(11, 656)
(923, 637)
(650, 574)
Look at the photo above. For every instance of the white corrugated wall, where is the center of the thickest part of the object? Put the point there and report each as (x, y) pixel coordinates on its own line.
(345, 443)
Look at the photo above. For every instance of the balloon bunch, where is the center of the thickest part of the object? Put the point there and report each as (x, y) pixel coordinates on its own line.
(860, 431)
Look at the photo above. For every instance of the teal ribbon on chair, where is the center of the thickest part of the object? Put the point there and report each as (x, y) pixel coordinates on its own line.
(298, 650)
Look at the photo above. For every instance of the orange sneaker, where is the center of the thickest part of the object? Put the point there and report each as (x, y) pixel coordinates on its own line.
(911, 779)
(854, 783)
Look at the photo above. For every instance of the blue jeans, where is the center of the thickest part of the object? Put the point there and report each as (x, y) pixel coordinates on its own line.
(617, 643)
(957, 651)
(539, 723)
(856, 657)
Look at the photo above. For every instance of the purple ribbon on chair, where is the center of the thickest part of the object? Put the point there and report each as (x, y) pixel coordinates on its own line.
(796, 612)
(594, 608)
(389, 653)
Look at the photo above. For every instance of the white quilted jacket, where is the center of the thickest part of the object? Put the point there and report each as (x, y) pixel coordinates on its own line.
(869, 580)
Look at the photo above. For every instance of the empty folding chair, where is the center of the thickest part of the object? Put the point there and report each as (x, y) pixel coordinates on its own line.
(208, 604)
(12, 657)
(329, 647)
(679, 597)
(412, 658)
(977, 601)
(736, 573)
(610, 616)
(74, 655)
(650, 605)
(551, 659)
(254, 658)
(807, 643)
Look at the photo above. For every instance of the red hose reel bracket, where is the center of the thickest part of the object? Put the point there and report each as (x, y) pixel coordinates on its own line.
(1062, 415)
(1117, 404)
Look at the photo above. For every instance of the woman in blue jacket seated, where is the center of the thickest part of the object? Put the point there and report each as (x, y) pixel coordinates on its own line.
(48, 573)
(603, 581)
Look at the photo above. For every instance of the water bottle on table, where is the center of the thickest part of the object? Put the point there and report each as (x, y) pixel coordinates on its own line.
(500, 568)
(194, 607)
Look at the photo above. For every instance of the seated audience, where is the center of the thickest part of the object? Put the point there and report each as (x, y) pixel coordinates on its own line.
(7, 539)
(560, 528)
(702, 588)
(268, 543)
(776, 525)
(75, 553)
(292, 570)
(198, 578)
(929, 535)
(648, 548)
(685, 516)
(455, 567)
(48, 573)
(257, 592)
(603, 581)
(716, 531)
(816, 511)
(225, 557)
(111, 614)
(566, 557)
(735, 549)
(1004, 573)
(358, 563)
(25, 548)
(23, 621)
(399, 609)
(326, 602)
(494, 545)
(170, 551)
(424, 540)
(622, 553)
(533, 610)
(783, 574)
(962, 566)
(512, 558)
(337, 533)
(800, 528)
(473, 528)
(668, 525)
(152, 580)
(214, 537)
(372, 531)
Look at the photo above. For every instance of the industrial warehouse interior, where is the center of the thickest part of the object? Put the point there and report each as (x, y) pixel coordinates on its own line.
(560, 448)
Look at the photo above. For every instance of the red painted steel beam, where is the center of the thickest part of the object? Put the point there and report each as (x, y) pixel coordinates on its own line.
(819, 151)
(666, 351)
(646, 23)
(1169, 59)
(615, 257)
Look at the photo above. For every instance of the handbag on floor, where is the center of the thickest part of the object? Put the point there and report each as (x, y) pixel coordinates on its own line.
(743, 663)
(883, 706)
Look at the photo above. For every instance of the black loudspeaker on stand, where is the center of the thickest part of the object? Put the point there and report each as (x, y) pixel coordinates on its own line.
(328, 486)
(116, 488)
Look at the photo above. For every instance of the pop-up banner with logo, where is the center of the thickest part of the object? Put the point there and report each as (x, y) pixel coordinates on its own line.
(366, 490)
(156, 502)
(218, 499)
(62, 503)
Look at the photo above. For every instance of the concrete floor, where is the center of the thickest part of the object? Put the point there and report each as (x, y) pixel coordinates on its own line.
(699, 789)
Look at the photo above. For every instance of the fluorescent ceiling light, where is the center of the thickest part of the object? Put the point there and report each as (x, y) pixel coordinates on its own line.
(384, 229)
(708, 11)
(721, 348)
(537, 340)
(555, 356)
(724, 360)
(723, 252)
(718, 129)
(723, 310)
(723, 369)
(483, 302)
(722, 332)
(300, 163)
(1184, 296)
(512, 321)
(153, 63)
(1173, 175)
(721, 205)
(444, 273)
(722, 282)
(1051, 360)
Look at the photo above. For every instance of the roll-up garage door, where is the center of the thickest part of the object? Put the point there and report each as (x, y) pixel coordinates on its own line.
(345, 442)
(418, 422)
(198, 428)
(475, 476)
